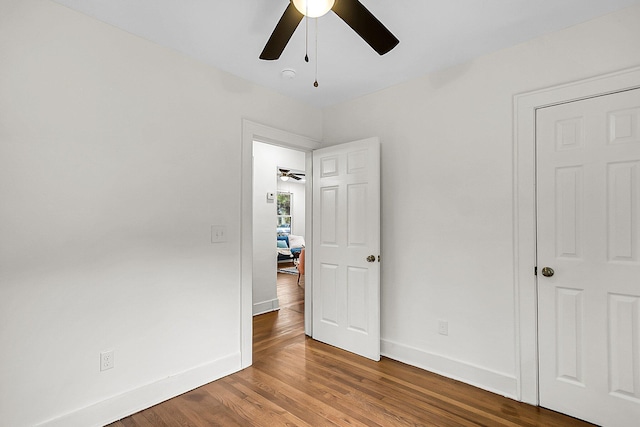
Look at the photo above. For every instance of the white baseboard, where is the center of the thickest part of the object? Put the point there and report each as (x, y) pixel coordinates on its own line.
(146, 396)
(266, 306)
(476, 376)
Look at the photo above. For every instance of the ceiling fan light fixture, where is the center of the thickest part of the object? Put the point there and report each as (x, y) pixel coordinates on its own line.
(313, 8)
(284, 178)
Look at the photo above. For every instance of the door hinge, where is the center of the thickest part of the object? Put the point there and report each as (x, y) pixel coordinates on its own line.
(535, 270)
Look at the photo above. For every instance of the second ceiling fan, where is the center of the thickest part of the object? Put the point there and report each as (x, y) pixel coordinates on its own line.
(352, 12)
(285, 174)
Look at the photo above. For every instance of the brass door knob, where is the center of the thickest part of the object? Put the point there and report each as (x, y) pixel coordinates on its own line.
(371, 258)
(547, 271)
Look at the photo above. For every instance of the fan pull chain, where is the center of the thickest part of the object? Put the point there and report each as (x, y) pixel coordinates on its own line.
(306, 34)
(315, 83)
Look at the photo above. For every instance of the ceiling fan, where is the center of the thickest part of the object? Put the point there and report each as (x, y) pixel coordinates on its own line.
(285, 174)
(352, 12)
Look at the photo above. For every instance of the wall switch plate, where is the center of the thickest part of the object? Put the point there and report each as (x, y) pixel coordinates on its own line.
(443, 327)
(218, 234)
(106, 360)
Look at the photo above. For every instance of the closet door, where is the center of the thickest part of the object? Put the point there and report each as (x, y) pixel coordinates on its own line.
(588, 157)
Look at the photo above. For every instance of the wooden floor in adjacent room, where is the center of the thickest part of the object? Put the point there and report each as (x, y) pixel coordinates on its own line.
(295, 381)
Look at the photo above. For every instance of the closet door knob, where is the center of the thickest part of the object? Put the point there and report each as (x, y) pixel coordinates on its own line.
(547, 271)
(371, 258)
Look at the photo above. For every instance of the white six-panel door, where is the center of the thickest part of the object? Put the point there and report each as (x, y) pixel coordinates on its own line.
(346, 245)
(588, 202)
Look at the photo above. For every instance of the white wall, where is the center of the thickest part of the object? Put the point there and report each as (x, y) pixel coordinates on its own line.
(447, 196)
(266, 161)
(116, 157)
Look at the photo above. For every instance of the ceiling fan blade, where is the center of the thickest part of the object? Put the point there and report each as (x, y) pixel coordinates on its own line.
(297, 178)
(282, 33)
(366, 25)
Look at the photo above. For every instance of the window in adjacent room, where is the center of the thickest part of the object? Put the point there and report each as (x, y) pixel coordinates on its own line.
(284, 212)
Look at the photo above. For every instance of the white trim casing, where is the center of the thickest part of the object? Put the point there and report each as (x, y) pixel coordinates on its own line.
(524, 214)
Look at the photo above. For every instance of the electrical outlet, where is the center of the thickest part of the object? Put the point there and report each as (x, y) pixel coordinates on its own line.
(106, 360)
(443, 327)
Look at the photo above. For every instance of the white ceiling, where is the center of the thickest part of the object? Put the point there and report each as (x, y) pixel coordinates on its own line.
(434, 34)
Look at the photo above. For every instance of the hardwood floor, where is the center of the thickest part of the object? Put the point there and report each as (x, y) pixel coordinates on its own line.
(296, 381)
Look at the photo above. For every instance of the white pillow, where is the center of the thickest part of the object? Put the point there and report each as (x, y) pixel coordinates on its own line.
(296, 241)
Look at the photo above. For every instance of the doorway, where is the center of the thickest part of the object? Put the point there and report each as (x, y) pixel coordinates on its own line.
(347, 164)
(279, 225)
(251, 132)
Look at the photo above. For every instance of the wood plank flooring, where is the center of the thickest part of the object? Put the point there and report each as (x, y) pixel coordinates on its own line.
(296, 381)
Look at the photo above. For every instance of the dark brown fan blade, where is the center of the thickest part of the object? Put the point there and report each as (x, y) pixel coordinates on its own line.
(297, 178)
(282, 33)
(366, 25)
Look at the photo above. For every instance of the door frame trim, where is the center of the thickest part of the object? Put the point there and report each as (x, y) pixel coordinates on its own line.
(252, 131)
(524, 210)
